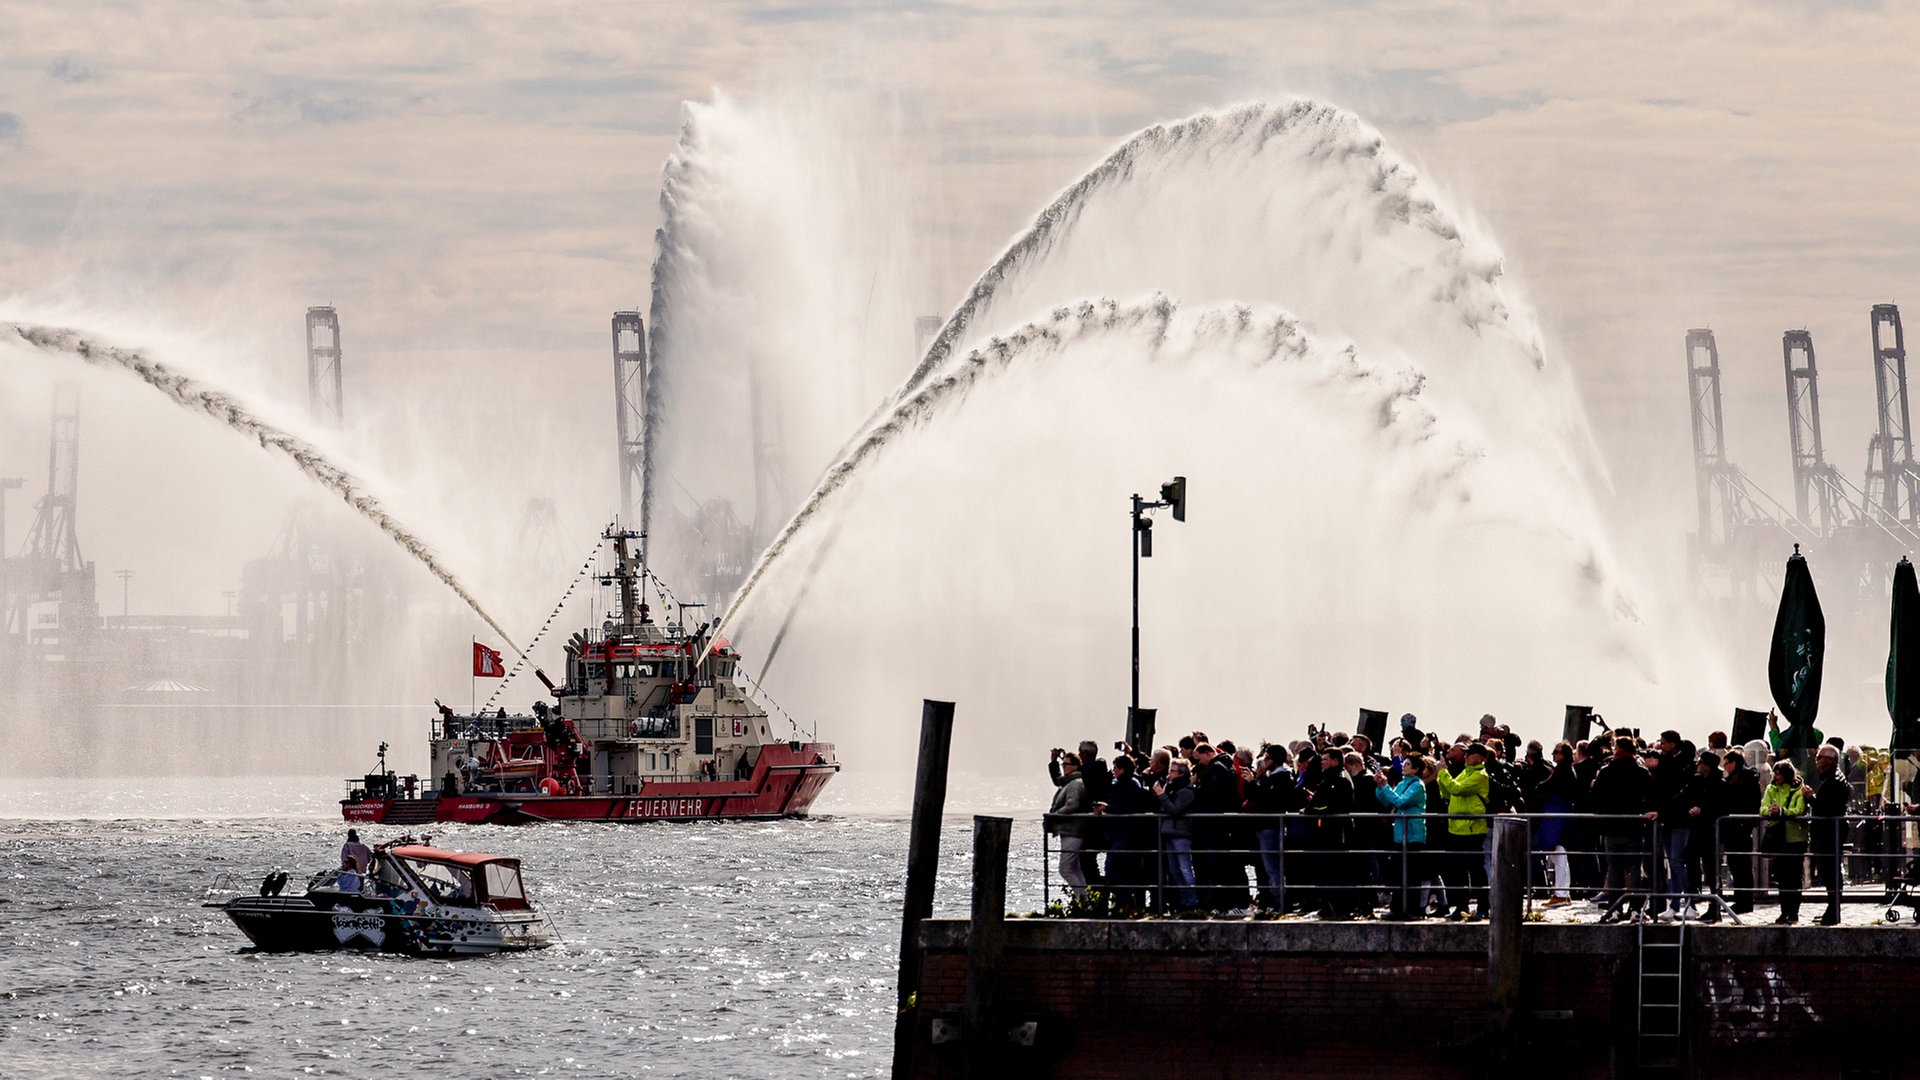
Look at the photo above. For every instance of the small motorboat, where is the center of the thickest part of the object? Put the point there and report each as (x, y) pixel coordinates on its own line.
(414, 898)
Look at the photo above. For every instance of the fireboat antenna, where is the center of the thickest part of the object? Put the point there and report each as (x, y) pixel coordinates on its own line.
(684, 605)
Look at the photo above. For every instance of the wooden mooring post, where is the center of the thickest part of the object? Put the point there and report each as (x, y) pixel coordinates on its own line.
(986, 940)
(923, 866)
(1506, 897)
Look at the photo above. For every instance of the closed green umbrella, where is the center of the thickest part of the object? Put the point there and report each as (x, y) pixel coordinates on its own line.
(1793, 667)
(1903, 670)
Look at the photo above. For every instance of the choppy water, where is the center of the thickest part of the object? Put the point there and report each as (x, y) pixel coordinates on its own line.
(713, 949)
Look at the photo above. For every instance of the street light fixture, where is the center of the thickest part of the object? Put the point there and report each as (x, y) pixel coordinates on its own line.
(1173, 496)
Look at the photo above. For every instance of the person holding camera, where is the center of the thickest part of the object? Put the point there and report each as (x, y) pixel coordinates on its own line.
(1327, 834)
(1131, 835)
(1175, 796)
(1405, 797)
(1464, 782)
(1272, 791)
(1070, 798)
(1095, 777)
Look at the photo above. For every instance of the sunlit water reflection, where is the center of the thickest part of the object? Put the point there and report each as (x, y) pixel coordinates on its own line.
(711, 949)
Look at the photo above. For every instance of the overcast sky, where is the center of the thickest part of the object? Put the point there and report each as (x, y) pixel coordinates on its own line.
(475, 185)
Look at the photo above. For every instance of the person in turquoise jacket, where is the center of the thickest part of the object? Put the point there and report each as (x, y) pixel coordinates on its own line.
(1783, 810)
(1407, 800)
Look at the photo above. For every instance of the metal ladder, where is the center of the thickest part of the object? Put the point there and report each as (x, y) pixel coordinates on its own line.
(1662, 1001)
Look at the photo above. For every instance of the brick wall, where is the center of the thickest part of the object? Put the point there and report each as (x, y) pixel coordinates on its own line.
(1170, 999)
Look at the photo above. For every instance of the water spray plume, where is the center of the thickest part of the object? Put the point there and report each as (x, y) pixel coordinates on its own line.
(224, 407)
(1266, 296)
(1301, 205)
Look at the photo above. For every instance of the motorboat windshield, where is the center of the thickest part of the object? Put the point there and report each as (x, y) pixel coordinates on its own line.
(458, 877)
(447, 884)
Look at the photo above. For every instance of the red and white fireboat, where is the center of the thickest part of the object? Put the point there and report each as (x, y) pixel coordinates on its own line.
(651, 724)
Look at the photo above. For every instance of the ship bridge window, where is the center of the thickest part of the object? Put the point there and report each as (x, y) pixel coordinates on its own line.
(634, 671)
(596, 672)
(448, 884)
(723, 669)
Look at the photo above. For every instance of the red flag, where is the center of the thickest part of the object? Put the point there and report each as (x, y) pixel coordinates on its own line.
(486, 663)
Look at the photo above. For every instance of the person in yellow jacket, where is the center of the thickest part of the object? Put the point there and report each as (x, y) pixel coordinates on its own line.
(1783, 811)
(1466, 837)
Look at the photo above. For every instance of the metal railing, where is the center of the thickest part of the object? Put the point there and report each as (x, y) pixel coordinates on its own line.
(1354, 864)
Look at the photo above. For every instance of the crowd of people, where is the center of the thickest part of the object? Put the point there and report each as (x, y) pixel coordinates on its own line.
(1335, 826)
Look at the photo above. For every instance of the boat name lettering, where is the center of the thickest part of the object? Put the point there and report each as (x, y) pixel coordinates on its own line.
(663, 807)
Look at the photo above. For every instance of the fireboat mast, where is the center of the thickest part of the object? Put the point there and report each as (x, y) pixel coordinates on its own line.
(633, 613)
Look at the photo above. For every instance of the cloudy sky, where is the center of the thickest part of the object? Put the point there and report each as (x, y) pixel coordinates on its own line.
(474, 186)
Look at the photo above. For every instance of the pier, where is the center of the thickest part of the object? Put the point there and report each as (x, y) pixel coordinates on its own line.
(1521, 994)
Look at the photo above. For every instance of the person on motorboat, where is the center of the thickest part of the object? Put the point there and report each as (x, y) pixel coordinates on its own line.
(355, 853)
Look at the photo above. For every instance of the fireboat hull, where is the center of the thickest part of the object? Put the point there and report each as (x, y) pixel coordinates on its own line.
(784, 784)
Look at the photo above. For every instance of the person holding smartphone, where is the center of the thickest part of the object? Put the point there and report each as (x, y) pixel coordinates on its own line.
(1405, 797)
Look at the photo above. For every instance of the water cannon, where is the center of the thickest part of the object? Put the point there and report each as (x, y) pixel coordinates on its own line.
(1174, 494)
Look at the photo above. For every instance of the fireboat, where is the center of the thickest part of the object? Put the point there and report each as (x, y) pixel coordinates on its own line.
(651, 723)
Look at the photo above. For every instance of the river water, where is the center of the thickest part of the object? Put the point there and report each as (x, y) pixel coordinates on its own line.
(697, 950)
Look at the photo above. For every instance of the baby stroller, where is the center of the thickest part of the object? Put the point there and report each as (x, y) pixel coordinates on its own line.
(1899, 829)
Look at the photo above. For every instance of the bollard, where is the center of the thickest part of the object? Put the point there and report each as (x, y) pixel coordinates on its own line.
(986, 938)
(923, 866)
(1506, 895)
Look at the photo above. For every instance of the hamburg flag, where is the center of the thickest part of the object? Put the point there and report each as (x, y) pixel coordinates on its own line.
(1799, 645)
(486, 663)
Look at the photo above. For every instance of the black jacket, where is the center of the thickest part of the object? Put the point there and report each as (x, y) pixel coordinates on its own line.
(1218, 789)
(1698, 792)
(1534, 776)
(1830, 799)
(1623, 787)
(1675, 770)
(1740, 794)
(1563, 783)
(1274, 793)
(1332, 796)
(1097, 775)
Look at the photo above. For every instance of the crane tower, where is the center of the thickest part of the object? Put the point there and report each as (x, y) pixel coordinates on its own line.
(1816, 494)
(1893, 485)
(630, 415)
(323, 366)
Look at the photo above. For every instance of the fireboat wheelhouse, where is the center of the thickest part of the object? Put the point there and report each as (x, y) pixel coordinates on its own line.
(651, 723)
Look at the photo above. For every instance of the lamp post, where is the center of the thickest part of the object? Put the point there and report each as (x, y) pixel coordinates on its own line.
(124, 576)
(1173, 496)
